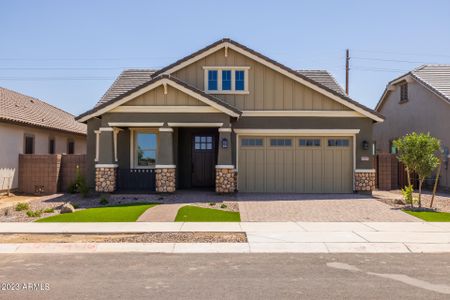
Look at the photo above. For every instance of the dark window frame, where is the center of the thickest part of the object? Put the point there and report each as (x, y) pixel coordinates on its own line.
(70, 146)
(26, 137)
(51, 145)
(404, 92)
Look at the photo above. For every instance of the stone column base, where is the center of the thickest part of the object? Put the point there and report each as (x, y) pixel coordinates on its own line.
(165, 180)
(365, 181)
(105, 179)
(226, 179)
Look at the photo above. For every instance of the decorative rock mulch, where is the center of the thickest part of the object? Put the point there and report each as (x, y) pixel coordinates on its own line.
(152, 237)
(395, 199)
(226, 206)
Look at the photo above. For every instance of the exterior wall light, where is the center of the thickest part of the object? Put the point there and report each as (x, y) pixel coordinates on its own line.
(365, 145)
(224, 143)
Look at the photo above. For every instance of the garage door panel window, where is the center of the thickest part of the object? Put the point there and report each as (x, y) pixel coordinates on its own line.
(309, 142)
(252, 142)
(280, 142)
(338, 143)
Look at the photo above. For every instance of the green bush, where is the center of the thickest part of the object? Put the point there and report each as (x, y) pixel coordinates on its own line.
(75, 205)
(103, 200)
(223, 206)
(22, 206)
(407, 193)
(211, 204)
(34, 214)
(49, 210)
(79, 186)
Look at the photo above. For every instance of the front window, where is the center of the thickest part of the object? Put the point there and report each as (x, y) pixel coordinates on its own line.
(29, 144)
(226, 80)
(212, 80)
(404, 92)
(145, 149)
(280, 142)
(240, 80)
(51, 146)
(338, 143)
(70, 147)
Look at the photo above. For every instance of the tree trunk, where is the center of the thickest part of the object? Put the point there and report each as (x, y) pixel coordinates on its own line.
(408, 176)
(435, 184)
(420, 191)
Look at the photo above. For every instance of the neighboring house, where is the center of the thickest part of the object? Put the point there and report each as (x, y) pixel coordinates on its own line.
(417, 101)
(31, 126)
(231, 118)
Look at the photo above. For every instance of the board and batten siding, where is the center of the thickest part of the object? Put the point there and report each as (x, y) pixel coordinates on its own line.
(268, 89)
(157, 97)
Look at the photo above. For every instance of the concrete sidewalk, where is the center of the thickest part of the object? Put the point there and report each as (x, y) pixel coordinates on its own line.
(263, 237)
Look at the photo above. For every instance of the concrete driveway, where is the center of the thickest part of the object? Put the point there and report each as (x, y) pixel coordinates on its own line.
(317, 208)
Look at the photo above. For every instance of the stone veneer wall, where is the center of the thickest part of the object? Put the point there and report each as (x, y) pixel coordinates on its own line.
(165, 180)
(365, 181)
(105, 180)
(226, 180)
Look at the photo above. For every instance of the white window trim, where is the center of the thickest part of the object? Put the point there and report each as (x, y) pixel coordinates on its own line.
(133, 161)
(219, 70)
(97, 144)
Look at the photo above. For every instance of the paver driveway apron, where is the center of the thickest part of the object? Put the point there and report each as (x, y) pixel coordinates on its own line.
(316, 208)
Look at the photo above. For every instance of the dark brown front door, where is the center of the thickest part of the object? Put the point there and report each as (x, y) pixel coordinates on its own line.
(203, 160)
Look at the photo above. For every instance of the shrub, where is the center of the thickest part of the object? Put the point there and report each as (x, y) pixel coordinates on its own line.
(22, 206)
(103, 200)
(34, 214)
(223, 206)
(49, 210)
(75, 205)
(79, 186)
(211, 204)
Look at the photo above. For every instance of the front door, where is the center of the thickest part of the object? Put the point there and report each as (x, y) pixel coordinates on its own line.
(203, 160)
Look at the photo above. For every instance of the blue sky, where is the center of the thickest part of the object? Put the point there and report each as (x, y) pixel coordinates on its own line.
(69, 52)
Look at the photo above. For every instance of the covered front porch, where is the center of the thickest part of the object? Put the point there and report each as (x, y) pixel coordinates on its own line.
(165, 156)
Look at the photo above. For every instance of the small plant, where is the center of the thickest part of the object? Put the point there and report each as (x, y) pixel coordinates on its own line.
(7, 212)
(79, 186)
(103, 200)
(22, 206)
(407, 193)
(34, 214)
(76, 206)
(211, 204)
(49, 210)
(223, 206)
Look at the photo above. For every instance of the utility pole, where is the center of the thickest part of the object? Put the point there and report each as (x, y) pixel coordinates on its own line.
(347, 69)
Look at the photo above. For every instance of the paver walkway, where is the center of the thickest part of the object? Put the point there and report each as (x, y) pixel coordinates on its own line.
(161, 213)
(325, 210)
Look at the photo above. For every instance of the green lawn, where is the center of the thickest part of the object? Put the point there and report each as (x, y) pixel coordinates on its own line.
(119, 213)
(430, 216)
(198, 214)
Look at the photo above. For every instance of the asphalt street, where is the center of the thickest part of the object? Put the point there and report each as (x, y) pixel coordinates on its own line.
(225, 276)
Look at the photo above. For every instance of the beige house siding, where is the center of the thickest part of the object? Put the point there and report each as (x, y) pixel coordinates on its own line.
(424, 112)
(269, 90)
(157, 97)
(12, 137)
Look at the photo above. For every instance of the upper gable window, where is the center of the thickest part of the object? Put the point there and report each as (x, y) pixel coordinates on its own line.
(226, 80)
(404, 92)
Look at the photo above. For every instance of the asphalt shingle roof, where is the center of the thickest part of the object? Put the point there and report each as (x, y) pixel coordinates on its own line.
(324, 78)
(437, 77)
(23, 109)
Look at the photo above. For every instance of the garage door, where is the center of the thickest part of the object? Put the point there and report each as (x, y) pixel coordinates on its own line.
(295, 164)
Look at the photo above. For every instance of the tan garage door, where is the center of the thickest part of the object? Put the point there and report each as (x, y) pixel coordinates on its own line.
(295, 164)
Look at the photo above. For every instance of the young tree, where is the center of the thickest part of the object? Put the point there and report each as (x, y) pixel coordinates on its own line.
(419, 153)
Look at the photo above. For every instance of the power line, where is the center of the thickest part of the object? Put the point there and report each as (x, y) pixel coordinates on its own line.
(390, 60)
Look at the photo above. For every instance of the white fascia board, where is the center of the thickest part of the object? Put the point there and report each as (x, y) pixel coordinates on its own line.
(303, 113)
(299, 132)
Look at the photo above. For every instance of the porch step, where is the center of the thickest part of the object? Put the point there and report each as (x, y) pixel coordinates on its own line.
(161, 213)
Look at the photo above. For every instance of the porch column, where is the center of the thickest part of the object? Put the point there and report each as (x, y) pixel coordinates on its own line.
(226, 175)
(165, 167)
(106, 166)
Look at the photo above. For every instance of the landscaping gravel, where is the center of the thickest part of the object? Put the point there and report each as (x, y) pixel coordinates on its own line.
(152, 237)
(394, 198)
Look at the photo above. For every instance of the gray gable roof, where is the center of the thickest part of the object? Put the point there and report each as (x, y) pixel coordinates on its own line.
(436, 77)
(22, 109)
(324, 78)
(133, 78)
